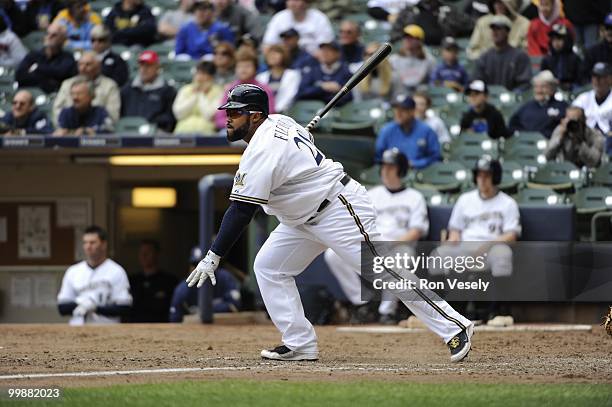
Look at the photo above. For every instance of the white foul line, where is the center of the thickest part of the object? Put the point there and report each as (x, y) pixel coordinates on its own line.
(117, 372)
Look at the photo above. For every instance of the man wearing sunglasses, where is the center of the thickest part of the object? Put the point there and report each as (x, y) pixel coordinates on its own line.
(319, 206)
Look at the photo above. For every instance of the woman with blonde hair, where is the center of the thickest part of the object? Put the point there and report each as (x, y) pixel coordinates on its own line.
(378, 84)
(284, 82)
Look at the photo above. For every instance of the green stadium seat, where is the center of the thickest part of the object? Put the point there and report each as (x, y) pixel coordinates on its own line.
(512, 175)
(180, 71)
(526, 156)
(163, 49)
(557, 175)
(538, 197)
(531, 139)
(39, 95)
(370, 175)
(433, 197)
(355, 153)
(592, 199)
(603, 175)
(99, 5)
(466, 155)
(303, 111)
(472, 140)
(135, 125)
(33, 40)
(449, 176)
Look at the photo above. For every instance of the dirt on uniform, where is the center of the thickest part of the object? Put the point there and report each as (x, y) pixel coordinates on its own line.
(233, 352)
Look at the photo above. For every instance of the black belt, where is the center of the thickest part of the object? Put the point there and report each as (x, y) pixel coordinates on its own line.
(344, 181)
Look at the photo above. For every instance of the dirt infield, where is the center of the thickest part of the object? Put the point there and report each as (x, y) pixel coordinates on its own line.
(233, 351)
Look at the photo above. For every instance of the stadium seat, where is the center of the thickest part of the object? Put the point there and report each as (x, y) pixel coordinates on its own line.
(474, 140)
(135, 125)
(512, 175)
(358, 118)
(433, 197)
(442, 176)
(355, 153)
(303, 111)
(532, 139)
(557, 175)
(466, 155)
(39, 95)
(370, 175)
(524, 155)
(603, 175)
(540, 197)
(33, 40)
(180, 71)
(164, 49)
(592, 199)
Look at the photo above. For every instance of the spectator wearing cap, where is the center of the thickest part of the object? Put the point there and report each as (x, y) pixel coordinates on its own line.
(436, 17)
(549, 14)
(113, 66)
(597, 103)
(50, 66)
(449, 73)
(422, 111)
(586, 16)
(82, 118)
(24, 118)
(410, 135)
(298, 57)
(195, 104)
(561, 60)
(284, 82)
(225, 64)
(544, 112)
(246, 69)
(413, 64)
(149, 95)
(482, 117)
(131, 23)
(324, 80)
(239, 19)
(481, 40)
(199, 37)
(351, 48)
(379, 82)
(313, 26)
(12, 50)
(79, 20)
(503, 64)
(171, 21)
(601, 52)
(106, 90)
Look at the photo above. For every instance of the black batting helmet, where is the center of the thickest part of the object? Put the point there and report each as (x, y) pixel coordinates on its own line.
(487, 163)
(247, 97)
(195, 255)
(395, 157)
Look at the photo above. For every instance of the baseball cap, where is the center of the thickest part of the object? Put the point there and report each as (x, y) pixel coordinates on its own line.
(205, 4)
(608, 20)
(404, 101)
(500, 21)
(148, 57)
(414, 31)
(558, 30)
(477, 86)
(332, 44)
(292, 32)
(450, 43)
(601, 69)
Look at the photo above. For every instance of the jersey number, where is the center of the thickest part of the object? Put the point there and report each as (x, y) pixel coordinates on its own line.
(304, 139)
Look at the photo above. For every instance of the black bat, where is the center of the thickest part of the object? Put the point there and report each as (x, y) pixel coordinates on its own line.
(363, 71)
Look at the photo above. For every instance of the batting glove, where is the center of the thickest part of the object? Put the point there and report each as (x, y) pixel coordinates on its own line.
(85, 305)
(205, 269)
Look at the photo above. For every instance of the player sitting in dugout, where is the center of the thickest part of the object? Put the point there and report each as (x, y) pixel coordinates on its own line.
(226, 292)
(402, 217)
(489, 216)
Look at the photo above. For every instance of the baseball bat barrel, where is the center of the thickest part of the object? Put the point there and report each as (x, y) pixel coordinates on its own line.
(381, 53)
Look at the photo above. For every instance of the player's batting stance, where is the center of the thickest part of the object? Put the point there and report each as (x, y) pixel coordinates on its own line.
(319, 206)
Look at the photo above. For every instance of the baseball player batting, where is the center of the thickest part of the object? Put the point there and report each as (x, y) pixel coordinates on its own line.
(318, 206)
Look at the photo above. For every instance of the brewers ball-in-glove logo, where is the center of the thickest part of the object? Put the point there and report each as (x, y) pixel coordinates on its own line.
(239, 179)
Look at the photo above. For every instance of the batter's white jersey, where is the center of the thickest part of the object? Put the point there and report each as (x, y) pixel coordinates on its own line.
(107, 284)
(481, 220)
(398, 212)
(283, 171)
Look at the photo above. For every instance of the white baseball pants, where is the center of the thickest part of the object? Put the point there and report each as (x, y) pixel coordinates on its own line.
(348, 220)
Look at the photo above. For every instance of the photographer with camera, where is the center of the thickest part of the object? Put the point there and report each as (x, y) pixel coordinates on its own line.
(572, 140)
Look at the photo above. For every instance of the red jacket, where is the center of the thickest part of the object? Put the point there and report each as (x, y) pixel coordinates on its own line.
(537, 36)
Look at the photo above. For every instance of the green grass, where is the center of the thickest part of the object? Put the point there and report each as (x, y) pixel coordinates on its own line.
(293, 393)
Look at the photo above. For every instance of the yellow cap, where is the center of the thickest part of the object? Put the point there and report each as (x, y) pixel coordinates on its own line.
(415, 31)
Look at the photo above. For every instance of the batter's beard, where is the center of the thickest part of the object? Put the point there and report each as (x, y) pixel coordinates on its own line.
(239, 133)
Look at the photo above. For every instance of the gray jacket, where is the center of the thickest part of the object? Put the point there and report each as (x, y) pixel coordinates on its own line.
(585, 153)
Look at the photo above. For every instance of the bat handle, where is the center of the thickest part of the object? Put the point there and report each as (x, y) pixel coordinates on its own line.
(313, 123)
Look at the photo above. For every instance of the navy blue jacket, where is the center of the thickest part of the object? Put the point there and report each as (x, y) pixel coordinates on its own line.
(135, 27)
(154, 104)
(96, 118)
(114, 67)
(48, 74)
(310, 86)
(352, 53)
(37, 122)
(532, 116)
(302, 59)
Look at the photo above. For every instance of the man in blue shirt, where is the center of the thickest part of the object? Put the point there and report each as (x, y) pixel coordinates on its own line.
(199, 37)
(24, 118)
(413, 137)
(299, 58)
(449, 73)
(82, 118)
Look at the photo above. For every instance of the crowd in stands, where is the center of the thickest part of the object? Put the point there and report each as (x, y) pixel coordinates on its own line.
(126, 58)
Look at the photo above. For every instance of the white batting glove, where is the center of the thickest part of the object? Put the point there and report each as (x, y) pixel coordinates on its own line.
(84, 306)
(205, 269)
